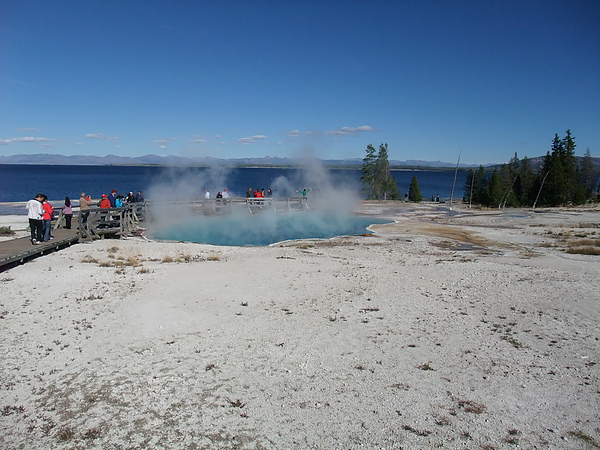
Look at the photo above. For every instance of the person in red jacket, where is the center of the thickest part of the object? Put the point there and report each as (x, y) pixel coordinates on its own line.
(104, 202)
(47, 219)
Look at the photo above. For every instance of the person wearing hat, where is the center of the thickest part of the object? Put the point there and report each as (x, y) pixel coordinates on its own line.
(225, 194)
(104, 202)
(84, 207)
(112, 197)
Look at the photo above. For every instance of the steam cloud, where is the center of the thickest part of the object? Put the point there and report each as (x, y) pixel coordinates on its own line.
(331, 205)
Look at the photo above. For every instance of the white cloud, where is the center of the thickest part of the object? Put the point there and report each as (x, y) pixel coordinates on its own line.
(24, 139)
(344, 131)
(198, 139)
(27, 130)
(251, 139)
(293, 133)
(100, 136)
(163, 142)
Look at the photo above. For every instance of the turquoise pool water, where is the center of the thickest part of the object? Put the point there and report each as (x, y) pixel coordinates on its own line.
(263, 229)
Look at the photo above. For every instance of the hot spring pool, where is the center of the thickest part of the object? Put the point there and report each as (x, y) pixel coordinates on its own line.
(263, 229)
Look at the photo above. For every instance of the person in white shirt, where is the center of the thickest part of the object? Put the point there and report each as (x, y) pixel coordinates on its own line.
(35, 213)
(207, 194)
(225, 194)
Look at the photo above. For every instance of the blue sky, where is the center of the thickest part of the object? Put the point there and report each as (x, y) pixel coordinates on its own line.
(248, 78)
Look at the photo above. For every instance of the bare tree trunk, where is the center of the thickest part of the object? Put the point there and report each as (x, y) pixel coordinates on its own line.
(454, 183)
(540, 191)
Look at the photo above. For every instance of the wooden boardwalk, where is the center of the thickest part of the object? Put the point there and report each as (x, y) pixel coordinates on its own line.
(18, 251)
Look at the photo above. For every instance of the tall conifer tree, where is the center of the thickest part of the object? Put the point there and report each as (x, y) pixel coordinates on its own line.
(377, 180)
(414, 192)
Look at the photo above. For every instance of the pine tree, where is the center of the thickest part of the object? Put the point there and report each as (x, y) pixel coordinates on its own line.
(553, 192)
(523, 188)
(475, 187)
(587, 174)
(560, 170)
(369, 173)
(388, 188)
(510, 173)
(469, 187)
(480, 187)
(377, 180)
(495, 191)
(414, 192)
(573, 189)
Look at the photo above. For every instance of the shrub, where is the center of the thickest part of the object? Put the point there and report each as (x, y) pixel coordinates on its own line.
(6, 231)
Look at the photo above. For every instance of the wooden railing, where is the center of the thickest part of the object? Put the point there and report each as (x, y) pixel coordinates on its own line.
(227, 205)
(99, 222)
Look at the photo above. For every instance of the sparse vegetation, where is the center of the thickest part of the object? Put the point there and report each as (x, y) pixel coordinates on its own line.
(186, 258)
(512, 341)
(236, 403)
(425, 366)
(415, 431)
(66, 434)
(6, 231)
(584, 247)
(92, 433)
(89, 259)
(584, 437)
(471, 407)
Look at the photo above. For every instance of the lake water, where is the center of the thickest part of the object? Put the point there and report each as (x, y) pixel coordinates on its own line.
(19, 183)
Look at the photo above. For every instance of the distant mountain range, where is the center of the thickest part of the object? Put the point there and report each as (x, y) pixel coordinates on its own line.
(267, 161)
(89, 160)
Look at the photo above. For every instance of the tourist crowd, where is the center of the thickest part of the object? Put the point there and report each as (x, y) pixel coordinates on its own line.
(40, 211)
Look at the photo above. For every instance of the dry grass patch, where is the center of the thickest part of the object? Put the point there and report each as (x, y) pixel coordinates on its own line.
(471, 407)
(587, 243)
(595, 251)
(585, 438)
(584, 247)
(187, 258)
(89, 259)
(6, 231)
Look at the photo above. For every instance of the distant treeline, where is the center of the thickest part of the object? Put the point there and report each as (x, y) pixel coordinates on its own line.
(562, 179)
